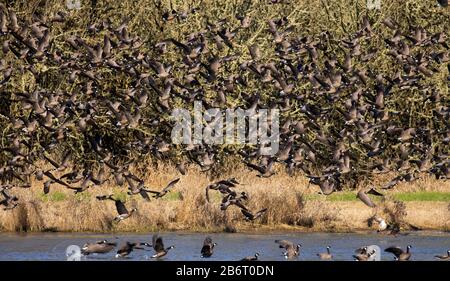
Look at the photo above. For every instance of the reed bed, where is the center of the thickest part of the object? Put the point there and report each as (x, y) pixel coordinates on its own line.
(292, 205)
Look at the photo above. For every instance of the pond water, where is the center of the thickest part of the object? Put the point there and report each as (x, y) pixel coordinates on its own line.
(52, 246)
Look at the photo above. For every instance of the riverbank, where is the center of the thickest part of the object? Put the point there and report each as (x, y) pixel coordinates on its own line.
(292, 205)
(338, 217)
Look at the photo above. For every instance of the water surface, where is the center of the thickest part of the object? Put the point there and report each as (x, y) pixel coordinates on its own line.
(52, 246)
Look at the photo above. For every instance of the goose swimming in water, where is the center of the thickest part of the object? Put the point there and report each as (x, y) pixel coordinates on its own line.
(327, 255)
(251, 258)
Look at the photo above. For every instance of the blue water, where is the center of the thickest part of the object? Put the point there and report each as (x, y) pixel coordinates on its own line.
(52, 246)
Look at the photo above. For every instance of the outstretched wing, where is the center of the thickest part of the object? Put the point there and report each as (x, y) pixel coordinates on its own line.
(158, 244)
(205, 249)
(52, 177)
(374, 192)
(240, 205)
(171, 184)
(392, 183)
(365, 199)
(229, 182)
(121, 209)
(285, 244)
(397, 251)
(255, 167)
(185, 48)
(261, 212)
(144, 195)
(103, 197)
(247, 213)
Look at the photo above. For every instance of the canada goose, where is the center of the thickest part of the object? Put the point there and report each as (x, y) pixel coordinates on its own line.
(208, 247)
(443, 257)
(161, 70)
(136, 189)
(399, 253)
(84, 184)
(283, 154)
(55, 179)
(223, 186)
(249, 216)
(327, 255)
(9, 202)
(128, 247)
(393, 182)
(292, 250)
(251, 258)
(100, 247)
(158, 246)
(327, 183)
(122, 211)
(229, 200)
(159, 194)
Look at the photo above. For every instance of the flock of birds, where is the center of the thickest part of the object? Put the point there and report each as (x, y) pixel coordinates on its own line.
(291, 250)
(341, 121)
(226, 187)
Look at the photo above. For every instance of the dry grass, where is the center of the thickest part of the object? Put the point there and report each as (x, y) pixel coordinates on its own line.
(187, 209)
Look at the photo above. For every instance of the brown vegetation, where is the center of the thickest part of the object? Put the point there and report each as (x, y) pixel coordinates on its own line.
(186, 208)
